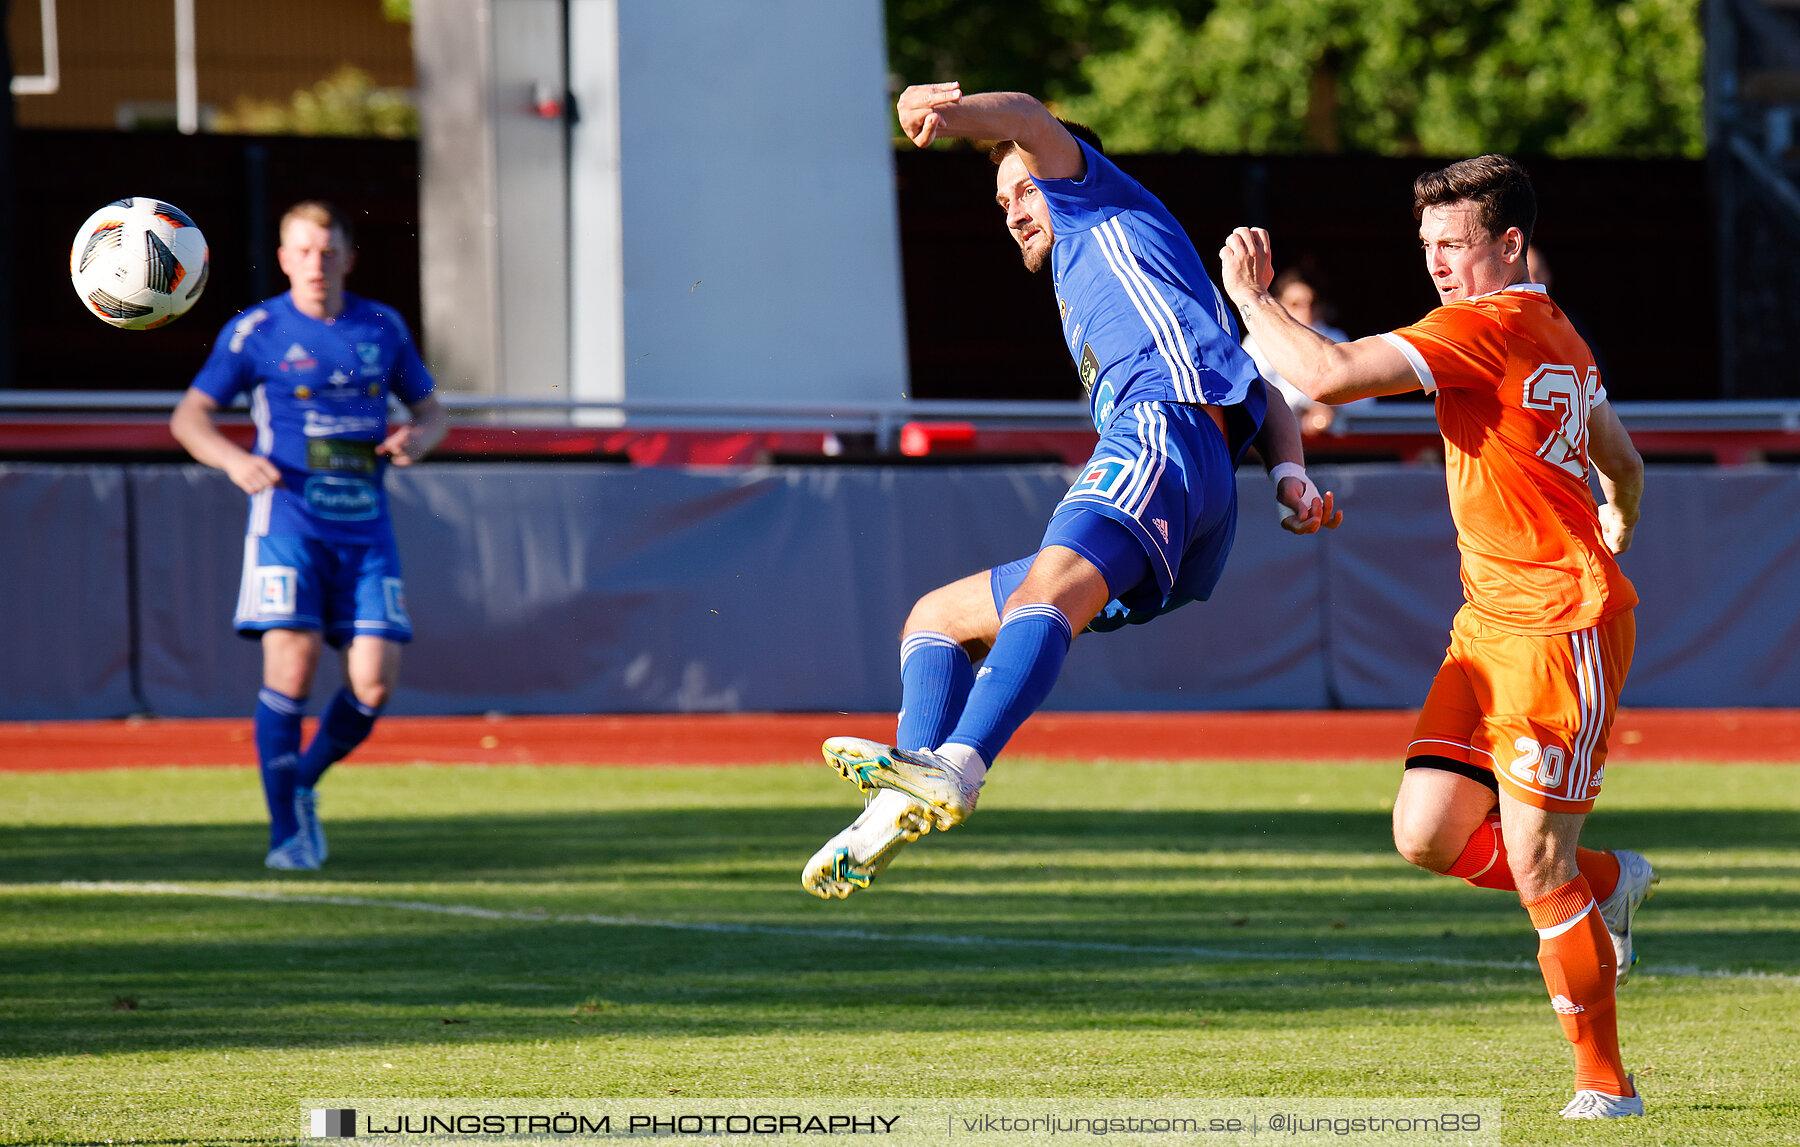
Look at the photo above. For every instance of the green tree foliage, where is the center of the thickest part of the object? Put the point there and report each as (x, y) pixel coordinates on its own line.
(347, 102)
(999, 45)
(1441, 77)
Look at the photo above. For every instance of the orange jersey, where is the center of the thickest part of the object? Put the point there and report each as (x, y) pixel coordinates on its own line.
(1514, 384)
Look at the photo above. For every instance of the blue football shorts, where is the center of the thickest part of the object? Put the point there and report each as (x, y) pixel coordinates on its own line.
(293, 582)
(1163, 472)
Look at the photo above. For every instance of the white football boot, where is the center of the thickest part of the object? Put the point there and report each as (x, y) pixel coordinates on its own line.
(853, 858)
(947, 792)
(292, 855)
(1637, 883)
(1600, 1105)
(306, 811)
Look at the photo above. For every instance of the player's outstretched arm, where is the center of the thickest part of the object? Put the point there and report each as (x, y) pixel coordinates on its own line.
(1304, 509)
(1323, 370)
(193, 426)
(1621, 470)
(930, 111)
(412, 441)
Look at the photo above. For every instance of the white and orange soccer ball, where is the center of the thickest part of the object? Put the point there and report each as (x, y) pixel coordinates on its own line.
(138, 263)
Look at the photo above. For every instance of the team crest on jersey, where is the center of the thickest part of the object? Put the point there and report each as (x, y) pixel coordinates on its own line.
(298, 358)
(1102, 476)
(1062, 309)
(370, 353)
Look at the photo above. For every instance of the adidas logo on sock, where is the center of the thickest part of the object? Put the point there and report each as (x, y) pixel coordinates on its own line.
(1564, 1006)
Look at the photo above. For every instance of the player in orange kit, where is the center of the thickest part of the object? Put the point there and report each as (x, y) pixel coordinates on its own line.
(1508, 753)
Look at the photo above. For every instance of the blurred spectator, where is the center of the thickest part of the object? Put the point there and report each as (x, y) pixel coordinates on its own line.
(1300, 291)
(1538, 265)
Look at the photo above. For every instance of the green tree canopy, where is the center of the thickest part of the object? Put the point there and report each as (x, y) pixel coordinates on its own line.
(1443, 77)
(347, 102)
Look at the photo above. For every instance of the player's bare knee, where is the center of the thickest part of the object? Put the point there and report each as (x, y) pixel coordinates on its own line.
(1423, 846)
(373, 694)
(962, 611)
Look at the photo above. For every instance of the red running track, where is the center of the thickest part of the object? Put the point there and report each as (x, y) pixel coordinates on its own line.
(1771, 735)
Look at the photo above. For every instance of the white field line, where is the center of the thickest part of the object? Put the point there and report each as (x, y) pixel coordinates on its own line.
(156, 888)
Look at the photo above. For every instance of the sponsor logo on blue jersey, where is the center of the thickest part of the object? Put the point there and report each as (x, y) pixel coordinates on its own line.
(1101, 475)
(318, 424)
(338, 499)
(298, 358)
(339, 386)
(393, 600)
(1104, 398)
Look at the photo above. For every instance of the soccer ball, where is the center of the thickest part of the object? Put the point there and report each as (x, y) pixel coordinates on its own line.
(138, 263)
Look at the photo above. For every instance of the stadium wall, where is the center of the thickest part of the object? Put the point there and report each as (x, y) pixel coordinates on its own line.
(585, 588)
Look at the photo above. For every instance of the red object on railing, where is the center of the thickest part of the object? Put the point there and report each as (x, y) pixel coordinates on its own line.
(918, 439)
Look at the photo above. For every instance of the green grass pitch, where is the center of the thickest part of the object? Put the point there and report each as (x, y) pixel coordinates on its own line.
(1204, 930)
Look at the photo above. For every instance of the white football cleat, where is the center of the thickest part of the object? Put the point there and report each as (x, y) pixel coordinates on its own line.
(306, 810)
(925, 776)
(856, 856)
(292, 855)
(1600, 1105)
(1637, 883)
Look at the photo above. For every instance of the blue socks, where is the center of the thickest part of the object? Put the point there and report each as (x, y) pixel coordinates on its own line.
(277, 750)
(1018, 674)
(344, 725)
(935, 676)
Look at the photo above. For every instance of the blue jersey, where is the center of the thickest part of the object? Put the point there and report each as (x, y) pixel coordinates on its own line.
(1143, 321)
(318, 395)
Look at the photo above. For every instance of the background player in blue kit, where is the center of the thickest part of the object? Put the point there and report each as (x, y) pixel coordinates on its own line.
(1148, 523)
(319, 559)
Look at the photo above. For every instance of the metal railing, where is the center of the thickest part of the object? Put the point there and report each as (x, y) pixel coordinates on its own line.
(884, 420)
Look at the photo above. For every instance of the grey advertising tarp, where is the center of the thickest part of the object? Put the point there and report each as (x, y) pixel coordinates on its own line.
(65, 623)
(569, 588)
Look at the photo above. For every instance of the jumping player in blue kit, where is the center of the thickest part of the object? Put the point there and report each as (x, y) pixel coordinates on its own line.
(1149, 521)
(320, 563)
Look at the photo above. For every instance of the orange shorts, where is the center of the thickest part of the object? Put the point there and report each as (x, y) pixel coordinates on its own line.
(1534, 710)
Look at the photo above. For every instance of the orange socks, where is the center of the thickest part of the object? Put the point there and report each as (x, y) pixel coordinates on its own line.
(1577, 960)
(1483, 863)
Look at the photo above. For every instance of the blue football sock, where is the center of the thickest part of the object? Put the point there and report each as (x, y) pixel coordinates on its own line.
(344, 725)
(935, 676)
(277, 751)
(1018, 674)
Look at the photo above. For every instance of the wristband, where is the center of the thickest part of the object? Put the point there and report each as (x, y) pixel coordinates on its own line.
(1286, 470)
(1308, 495)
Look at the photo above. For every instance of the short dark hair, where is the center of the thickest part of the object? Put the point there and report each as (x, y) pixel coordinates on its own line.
(1080, 131)
(1496, 184)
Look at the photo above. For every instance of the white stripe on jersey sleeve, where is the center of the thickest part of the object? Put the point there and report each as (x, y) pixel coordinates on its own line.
(1415, 358)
